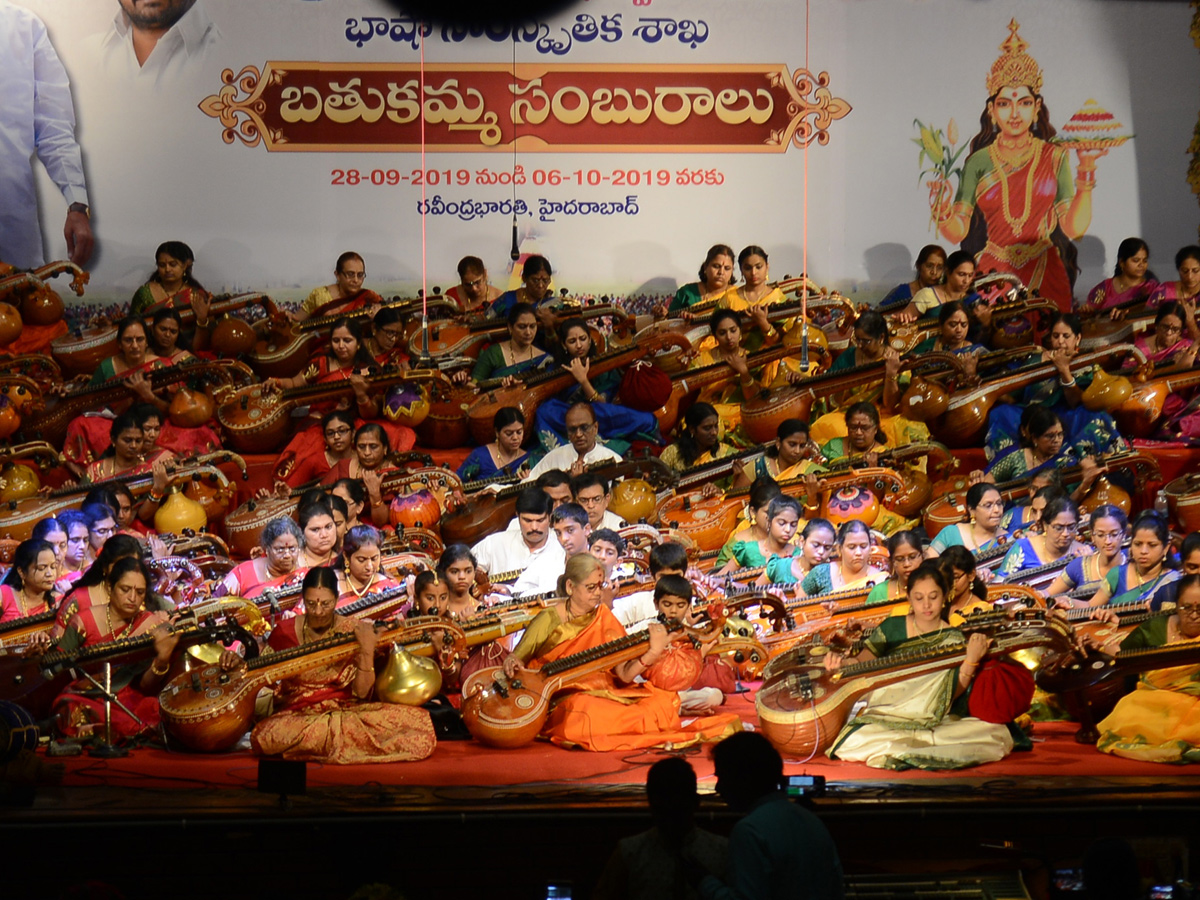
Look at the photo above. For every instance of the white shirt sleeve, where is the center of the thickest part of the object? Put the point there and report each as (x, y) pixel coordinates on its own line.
(54, 121)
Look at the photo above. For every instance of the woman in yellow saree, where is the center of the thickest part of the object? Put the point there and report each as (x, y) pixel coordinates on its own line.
(605, 710)
(699, 440)
(793, 455)
(1160, 720)
(727, 398)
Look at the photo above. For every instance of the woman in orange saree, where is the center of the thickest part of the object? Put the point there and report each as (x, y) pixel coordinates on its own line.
(605, 710)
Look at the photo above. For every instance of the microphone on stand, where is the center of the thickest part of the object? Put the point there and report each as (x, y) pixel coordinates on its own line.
(425, 362)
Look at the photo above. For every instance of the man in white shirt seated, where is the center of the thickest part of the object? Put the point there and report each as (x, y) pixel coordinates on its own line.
(636, 611)
(571, 530)
(584, 450)
(510, 551)
(592, 492)
(557, 485)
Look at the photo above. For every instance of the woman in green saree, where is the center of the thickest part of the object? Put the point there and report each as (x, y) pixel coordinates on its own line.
(916, 723)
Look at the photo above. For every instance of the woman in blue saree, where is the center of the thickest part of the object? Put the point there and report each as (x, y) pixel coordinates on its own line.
(503, 456)
(617, 423)
(1085, 432)
(1056, 542)
(1147, 570)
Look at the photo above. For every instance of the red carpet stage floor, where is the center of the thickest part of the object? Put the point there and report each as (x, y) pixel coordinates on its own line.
(543, 766)
(472, 821)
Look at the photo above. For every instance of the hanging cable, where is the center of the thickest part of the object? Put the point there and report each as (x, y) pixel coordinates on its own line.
(424, 209)
(804, 227)
(515, 252)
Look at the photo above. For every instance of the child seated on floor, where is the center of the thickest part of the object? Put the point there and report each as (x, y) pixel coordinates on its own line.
(432, 598)
(635, 610)
(683, 665)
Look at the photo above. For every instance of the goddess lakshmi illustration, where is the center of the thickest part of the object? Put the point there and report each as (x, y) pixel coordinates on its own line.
(1017, 207)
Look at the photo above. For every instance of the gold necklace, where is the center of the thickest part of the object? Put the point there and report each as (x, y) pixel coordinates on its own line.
(358, 593)
(309, 636)
(746, 296)
(1016, 222)
(927, 638)
(1141, 579)
(512, 351)
(112, 633)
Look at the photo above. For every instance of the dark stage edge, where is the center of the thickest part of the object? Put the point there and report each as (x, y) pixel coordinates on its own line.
(512, 840)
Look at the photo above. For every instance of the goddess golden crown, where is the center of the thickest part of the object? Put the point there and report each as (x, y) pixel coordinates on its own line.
(1014, 67)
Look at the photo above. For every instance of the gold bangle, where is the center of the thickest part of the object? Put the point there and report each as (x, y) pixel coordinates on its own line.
(154, 670)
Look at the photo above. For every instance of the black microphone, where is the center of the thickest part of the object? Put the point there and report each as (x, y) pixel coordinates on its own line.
(515, 252)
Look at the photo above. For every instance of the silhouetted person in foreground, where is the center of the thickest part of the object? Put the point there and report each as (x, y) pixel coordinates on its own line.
(779, 850)
(651, 865)
(1110, 871)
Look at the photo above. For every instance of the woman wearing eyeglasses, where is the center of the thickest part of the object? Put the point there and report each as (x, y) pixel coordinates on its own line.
(474, 290)
(346, 294)
(609, 709)
(1160, 720)
(282, 542)
(1042, 445)
(1108, 529)
(904, 555)
(1055, 543)
(386, 343)
(537, 278)
(1175, 338)
(1148, 569)
(305, 460)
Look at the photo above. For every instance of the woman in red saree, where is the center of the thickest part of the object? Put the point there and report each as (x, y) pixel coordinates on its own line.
(281, 541)
(124, 455)
(322, 714)
(88, 434)
(372, 450)
(358, 568)
(127, 456)
(1017, 207)
(605, 710)
(90, 589)
(347, 360)
(162, 437)
(137, 684)
(345, 295)
(304, 459)
(165, 329)
(386, 343)
(28, 588)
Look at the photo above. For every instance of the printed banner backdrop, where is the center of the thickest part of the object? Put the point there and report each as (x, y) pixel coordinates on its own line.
(639, 132)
